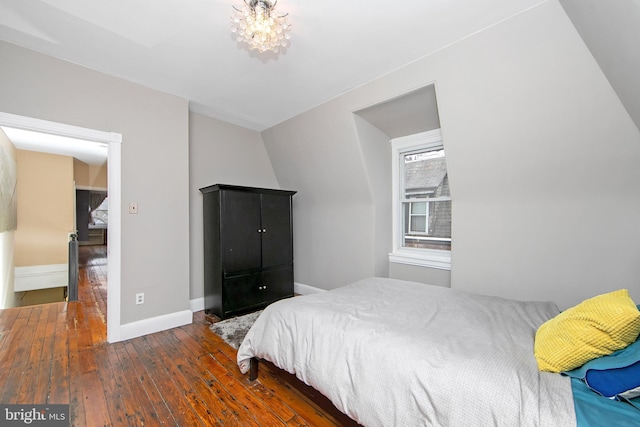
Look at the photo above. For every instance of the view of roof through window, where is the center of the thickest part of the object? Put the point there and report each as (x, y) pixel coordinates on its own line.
(427, 201)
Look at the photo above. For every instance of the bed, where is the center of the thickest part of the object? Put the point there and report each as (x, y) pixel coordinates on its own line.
(394, 353)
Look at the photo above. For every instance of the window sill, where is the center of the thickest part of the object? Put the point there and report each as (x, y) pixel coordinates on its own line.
(422, 258)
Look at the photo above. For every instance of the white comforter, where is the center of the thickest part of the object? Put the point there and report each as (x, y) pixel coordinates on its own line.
(395, 353)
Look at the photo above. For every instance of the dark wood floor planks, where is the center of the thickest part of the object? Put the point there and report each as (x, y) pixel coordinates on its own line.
(58, 354)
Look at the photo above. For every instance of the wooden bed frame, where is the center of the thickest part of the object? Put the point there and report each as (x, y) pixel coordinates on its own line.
(253, 369)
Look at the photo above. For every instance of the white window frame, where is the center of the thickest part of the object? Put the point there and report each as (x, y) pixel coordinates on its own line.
(432, 258)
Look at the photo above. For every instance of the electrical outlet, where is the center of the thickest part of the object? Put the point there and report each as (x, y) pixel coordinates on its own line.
(139, 299)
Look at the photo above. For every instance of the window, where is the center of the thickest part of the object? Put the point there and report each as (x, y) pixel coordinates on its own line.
(421, 201)
(418, 218)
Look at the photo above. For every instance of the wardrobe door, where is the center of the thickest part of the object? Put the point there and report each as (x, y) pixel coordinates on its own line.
(241, 292)
(276, 284)
(277, 235)
(240, 228)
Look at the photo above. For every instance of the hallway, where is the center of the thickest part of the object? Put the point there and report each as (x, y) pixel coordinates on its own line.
(92, 275)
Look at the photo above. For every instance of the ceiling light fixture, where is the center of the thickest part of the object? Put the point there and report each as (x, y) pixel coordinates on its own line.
(260, 26)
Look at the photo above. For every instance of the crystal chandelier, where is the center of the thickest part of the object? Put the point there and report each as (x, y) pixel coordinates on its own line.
(260, 26)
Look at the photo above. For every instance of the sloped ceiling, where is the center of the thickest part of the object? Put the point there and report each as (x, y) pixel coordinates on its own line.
(408, 114)
(611, 31)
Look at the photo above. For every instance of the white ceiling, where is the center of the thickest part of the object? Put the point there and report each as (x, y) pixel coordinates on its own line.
(185, 47)
(90, 152)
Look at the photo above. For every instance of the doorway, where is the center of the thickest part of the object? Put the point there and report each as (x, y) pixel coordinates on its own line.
(114, 142)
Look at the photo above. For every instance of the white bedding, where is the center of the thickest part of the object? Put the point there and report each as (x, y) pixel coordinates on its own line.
(394, 353)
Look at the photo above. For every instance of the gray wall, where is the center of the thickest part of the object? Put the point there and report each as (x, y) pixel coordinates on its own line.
(431, 276)
(317, 154)
(376, 155)
(611, 30)
(155, 163)
(220, 153)
(539, 148)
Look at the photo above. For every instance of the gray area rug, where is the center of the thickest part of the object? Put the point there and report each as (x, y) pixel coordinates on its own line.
(233, 330)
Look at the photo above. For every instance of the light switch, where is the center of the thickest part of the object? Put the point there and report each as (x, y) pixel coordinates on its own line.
(133, 207)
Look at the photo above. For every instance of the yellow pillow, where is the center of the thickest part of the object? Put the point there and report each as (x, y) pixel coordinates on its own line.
(595, 327)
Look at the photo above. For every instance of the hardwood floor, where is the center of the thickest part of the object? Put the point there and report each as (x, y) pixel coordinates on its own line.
(58, 354)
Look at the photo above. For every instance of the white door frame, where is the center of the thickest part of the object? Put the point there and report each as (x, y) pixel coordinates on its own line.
(114, 189)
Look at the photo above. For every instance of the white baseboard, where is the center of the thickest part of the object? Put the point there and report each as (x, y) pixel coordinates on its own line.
(155, 324)
(36, 277)
(196, 304)
(303, 289)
